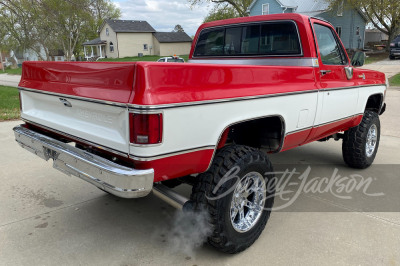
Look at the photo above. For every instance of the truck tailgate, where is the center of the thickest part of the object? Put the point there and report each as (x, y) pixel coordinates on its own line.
(84, 100)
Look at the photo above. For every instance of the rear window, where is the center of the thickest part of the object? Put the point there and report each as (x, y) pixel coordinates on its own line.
(268, 38)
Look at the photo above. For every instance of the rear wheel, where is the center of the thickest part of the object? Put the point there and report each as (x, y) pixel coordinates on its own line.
(235, 194)
(360, 144)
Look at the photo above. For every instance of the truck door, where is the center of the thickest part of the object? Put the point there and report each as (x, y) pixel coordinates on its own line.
(337, 100)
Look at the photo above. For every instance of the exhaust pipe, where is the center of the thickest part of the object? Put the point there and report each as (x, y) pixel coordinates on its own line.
(171, 197)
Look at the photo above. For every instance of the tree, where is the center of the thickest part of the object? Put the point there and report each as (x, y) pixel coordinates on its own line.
(218, 13)
(178, 28)
(17, 22)
(100, 10)
(224, 9)
(240, 6)
(383, 14)
(53, 24)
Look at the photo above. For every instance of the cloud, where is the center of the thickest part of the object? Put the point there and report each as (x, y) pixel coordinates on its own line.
(163, 15)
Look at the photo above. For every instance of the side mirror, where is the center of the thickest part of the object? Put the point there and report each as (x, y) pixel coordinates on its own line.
(358, 59)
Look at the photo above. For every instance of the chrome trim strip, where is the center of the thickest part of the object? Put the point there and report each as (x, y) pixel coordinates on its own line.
(122, 154)
(323, 124)
(148, 108)
(133, 107)
(334, 121)
(123, 105)
(161, 156)
(116, 179)
(151, 108)
(299, 62)
(298, 130)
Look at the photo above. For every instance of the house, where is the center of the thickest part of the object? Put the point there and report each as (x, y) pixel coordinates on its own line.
(123, 38)
(170, 43)
(375, 36)
(349, 22)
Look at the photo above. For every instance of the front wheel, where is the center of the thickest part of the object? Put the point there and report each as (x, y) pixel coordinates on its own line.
(236, 195)
(360, 144)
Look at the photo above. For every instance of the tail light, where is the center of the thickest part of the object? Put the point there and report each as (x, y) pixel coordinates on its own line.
(145, 128)
(392, 44)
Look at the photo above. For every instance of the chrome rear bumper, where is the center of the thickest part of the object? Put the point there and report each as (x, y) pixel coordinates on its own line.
(118, 180)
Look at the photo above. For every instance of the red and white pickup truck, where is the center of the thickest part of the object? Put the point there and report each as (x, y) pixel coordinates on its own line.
(253, 85)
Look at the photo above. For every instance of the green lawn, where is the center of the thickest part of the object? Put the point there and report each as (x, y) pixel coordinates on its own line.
(17, 71)
(152, 58)
(395, 80)
(9, 103)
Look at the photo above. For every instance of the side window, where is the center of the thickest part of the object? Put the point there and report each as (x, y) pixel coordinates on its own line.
(339, 31)
(111, 47)
(330, 50)
(265, 9)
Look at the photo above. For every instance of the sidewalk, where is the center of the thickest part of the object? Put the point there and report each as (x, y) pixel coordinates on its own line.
(389, 67)
(9, 80)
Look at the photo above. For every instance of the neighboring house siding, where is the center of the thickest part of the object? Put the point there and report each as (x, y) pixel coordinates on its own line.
(156, 46)
(112, 37)
(274, 7)
(180, 48)
(132, 44)
(349, 22)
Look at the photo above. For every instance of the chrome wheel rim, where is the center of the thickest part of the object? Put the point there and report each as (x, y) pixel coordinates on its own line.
(372, 138)
(248, 201)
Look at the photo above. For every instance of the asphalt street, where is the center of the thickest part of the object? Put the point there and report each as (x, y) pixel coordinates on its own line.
(48, 218)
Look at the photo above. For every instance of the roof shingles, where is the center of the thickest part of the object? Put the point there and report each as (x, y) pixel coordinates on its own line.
(169, 37)
(130, 25)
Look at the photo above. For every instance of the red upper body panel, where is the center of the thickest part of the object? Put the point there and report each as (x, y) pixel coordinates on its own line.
(103, 81)
(152, 83)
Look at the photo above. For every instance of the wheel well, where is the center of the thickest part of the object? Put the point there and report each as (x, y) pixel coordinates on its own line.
(374, 103)
(266, 132)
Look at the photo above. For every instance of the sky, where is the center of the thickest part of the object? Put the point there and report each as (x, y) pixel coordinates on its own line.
(163, 15)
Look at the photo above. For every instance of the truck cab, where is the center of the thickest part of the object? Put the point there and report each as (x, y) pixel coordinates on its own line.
(253, 86)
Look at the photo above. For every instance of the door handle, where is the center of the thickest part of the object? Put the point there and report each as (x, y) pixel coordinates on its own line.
(324, 72)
